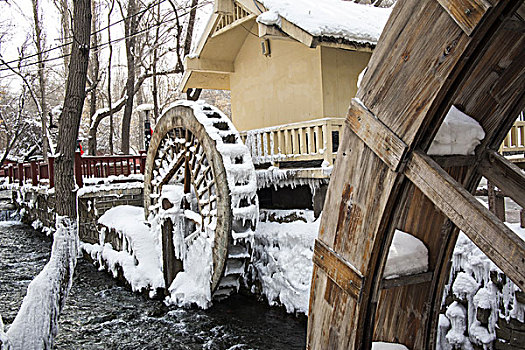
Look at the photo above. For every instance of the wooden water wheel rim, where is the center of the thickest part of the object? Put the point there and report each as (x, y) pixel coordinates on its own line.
(181, 117)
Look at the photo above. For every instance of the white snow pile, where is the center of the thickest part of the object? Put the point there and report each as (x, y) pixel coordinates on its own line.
(95, 185)
(378, 345)
(459, 134)
(283, 259)
(329, 18)
(139, 258)
(36, 323)
(407, 256)
(144, 107)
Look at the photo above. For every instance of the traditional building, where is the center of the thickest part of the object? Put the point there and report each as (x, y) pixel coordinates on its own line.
(292, 68)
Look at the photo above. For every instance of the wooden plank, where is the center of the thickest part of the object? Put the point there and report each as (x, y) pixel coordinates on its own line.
(505, 175)
(347, 277)
(493, 237)
(466, 13)
(406, 280)
(379, 138)
(454, 160)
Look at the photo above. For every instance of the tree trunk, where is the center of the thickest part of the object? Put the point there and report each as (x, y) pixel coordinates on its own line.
(131, 24)
(110, 57)
(36, 324)
(39, 41)
(95, 71)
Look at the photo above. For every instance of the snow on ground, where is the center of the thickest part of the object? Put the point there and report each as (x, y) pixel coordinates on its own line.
(141, 267)
(459, 134)
(329, 18)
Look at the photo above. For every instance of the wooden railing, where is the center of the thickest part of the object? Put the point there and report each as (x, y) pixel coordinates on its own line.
(315, 140)
(515, 140)
(39, 172)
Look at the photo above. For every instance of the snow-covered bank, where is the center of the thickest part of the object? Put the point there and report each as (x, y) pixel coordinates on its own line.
(139, 258)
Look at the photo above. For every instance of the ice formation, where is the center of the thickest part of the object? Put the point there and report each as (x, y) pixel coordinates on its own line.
(36, 323)
(459, 134)
(329, 18)
(477, 281)
(283, 258)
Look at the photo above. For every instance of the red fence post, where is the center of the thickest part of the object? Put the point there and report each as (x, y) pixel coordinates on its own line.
(78, 169)
(142, 162)
(21, 174)
(51, 171)
(10, 172)
(34, 179)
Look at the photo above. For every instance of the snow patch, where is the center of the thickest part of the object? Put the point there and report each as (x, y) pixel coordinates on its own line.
(459, 134)
(407, 256)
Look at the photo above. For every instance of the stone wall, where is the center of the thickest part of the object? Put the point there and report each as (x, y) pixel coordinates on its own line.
(37, 204)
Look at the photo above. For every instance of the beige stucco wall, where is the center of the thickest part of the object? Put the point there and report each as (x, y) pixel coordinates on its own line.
(283, 88)
(294, 84)
(340, 70)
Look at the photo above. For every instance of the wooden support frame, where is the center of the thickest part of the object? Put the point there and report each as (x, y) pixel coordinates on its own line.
(338, 270)
(376, 135)
(507, 176)
(492, 236)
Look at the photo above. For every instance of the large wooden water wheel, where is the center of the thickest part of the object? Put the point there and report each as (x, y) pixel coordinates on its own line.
(200, 192)
(433, 54)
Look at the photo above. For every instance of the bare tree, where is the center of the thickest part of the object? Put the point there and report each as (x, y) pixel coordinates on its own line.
(35, 325)
(94, 67)
(130, 25)
(39, 43)
(110, 47)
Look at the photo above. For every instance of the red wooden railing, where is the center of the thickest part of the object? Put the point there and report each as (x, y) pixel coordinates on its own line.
(85, 167)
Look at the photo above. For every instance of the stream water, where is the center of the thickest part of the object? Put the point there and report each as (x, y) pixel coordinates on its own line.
(101, 314)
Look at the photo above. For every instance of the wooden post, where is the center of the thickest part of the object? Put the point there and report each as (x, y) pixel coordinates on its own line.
(78, 169)
(171, 265)
(21, 174)
(522, 218)
(34, 178)
(51, 171)
(496, 202)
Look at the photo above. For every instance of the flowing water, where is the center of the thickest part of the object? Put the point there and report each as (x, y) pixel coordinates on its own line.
(102, 314)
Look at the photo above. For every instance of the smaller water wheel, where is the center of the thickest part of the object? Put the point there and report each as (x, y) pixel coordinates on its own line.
(200, 193)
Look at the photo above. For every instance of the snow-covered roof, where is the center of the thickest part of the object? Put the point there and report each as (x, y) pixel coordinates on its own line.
(329, 18)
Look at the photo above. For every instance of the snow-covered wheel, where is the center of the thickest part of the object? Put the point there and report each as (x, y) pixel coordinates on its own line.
(200, 176)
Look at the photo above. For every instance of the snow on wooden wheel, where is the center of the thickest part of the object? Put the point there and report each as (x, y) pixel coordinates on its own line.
(200, 196)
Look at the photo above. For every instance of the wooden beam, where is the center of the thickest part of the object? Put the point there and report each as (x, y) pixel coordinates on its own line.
(466, 13)
(376, 135)
(387, 283)
(454, 160)
(271, 32)
(493, 237)
(505, 175)
(207, 65)
(347, 277)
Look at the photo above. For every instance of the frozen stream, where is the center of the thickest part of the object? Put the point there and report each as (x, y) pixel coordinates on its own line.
(101, 314)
